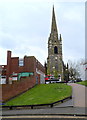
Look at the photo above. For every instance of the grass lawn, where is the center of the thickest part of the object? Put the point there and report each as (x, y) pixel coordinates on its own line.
(42, 94)
(83, 83)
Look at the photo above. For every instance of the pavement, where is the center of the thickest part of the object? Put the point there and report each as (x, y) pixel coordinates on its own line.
(74, 107)
(78, 95)
(68, 103)
(46, 111)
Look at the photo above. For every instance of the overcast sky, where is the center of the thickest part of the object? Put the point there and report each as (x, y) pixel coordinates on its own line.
(25, 26)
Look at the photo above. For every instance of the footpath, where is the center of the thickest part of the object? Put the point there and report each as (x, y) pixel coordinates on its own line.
(78, 95)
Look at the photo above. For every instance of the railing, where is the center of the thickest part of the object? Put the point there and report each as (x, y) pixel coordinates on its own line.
(32, 106)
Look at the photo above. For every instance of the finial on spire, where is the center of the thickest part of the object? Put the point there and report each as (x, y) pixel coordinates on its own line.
(53, 6)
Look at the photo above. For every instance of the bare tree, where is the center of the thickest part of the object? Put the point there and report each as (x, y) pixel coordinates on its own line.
(76, 69)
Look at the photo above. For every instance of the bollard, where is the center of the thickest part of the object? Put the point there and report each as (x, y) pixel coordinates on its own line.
(32, 107)
(10, 107)
(61, 101)
(70, 97)
(51, 105)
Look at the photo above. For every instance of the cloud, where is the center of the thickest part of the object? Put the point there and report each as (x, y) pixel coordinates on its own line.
(75, 13)
(25, 27)
(3, 56)
(33, 50)
(42, 1)
(7, 41)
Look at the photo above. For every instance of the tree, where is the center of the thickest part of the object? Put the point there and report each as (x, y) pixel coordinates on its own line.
(66, 72)
(76, 69)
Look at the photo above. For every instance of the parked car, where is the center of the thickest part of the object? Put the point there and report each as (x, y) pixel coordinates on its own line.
(71, 81)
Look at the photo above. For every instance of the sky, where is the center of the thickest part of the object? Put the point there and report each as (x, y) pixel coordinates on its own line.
(25, 26)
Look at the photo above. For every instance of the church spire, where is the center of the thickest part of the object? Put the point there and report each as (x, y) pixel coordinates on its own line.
(53, 26)
(54, 60)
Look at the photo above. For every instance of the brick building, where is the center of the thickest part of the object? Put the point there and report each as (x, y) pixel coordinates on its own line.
(20, 75)
(17, 68)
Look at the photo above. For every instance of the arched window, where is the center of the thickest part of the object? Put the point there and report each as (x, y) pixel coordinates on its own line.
(55, 50)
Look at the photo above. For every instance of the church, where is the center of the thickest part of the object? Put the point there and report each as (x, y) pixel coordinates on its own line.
(55, 56)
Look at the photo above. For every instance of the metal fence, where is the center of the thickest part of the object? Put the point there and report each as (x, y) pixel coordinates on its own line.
(32, 106)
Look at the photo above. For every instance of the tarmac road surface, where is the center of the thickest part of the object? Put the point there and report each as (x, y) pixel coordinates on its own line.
(43, 119)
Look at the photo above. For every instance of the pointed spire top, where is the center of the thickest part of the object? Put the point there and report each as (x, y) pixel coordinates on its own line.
(53, 14)
(54, 26)
(53, 6)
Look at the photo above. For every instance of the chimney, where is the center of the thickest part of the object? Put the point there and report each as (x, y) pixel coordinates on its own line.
(8, 66)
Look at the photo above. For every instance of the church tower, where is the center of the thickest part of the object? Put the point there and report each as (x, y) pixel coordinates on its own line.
(54, 60)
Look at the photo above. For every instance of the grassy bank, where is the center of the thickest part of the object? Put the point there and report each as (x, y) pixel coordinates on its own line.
(42, 94)
(83, 83)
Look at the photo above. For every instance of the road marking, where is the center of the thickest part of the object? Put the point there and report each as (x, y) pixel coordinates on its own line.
(43, 116)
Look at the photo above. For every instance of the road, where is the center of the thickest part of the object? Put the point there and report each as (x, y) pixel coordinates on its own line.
(43, 119)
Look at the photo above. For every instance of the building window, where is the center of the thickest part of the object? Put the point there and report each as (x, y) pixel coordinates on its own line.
(55, 50)
(21, 62)
(56, 66)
